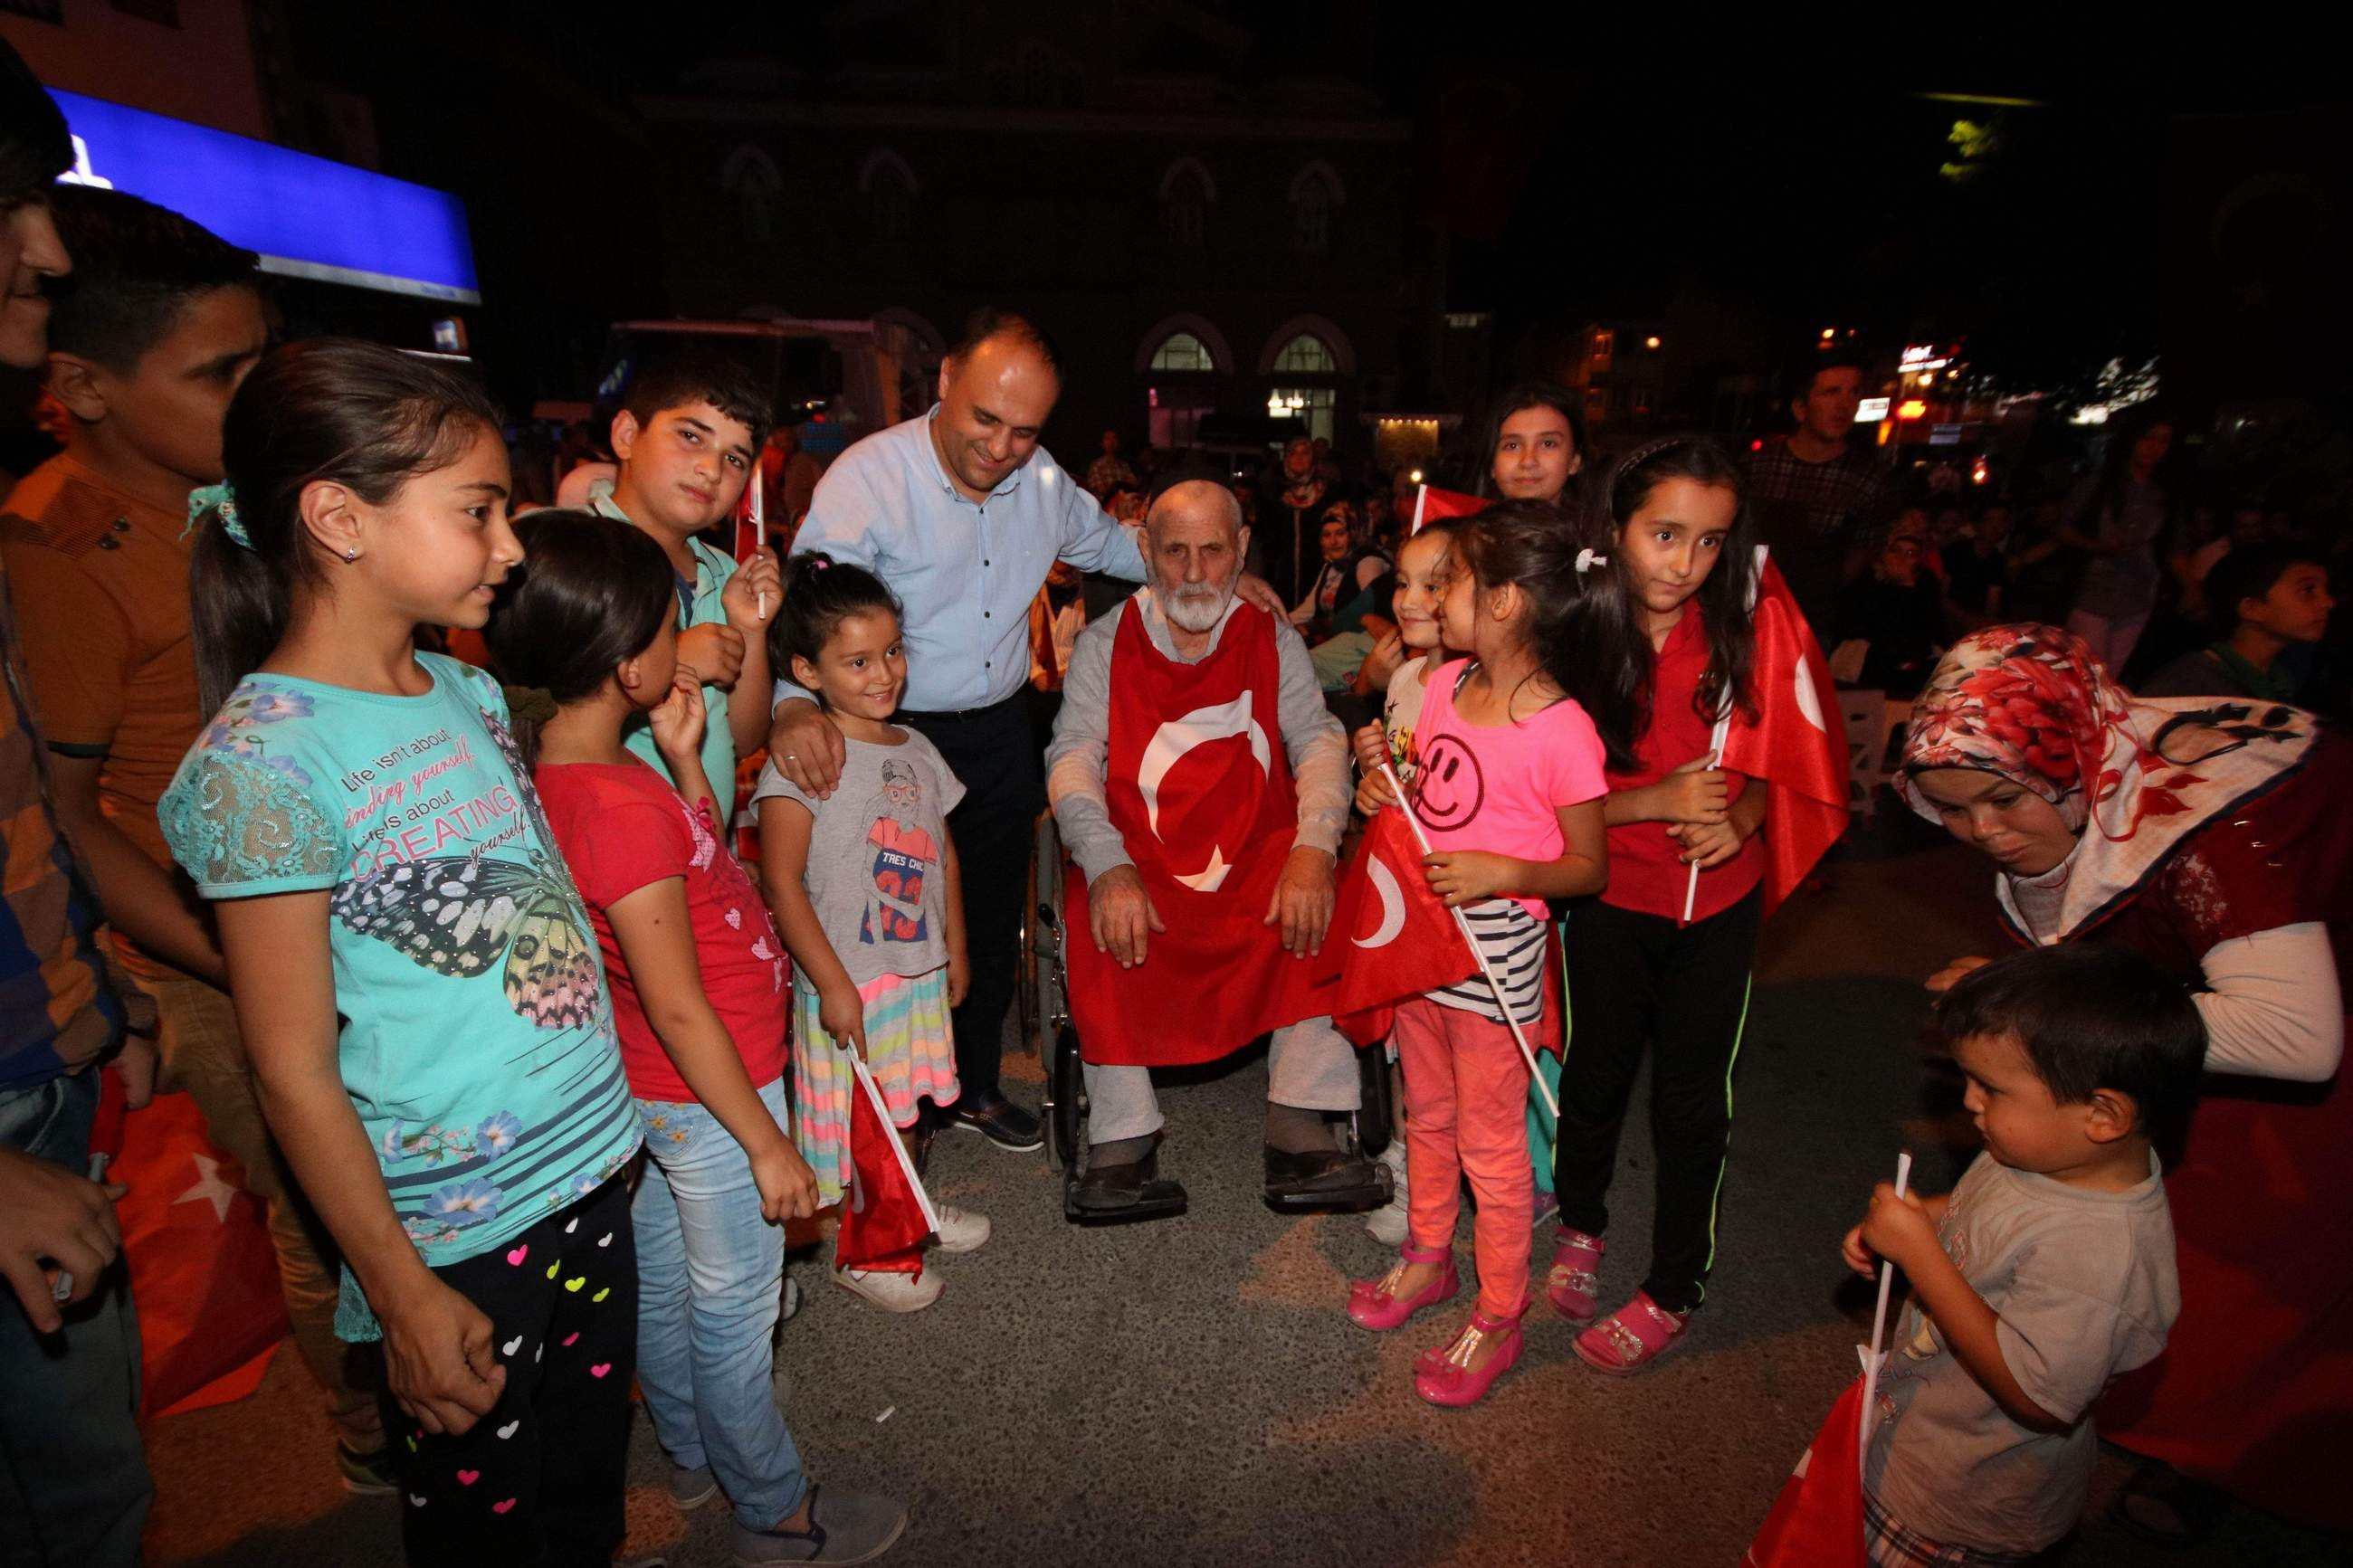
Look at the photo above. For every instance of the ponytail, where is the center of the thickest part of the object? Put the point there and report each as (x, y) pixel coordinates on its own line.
(239, 605)
(359, 414)
(1522, 543)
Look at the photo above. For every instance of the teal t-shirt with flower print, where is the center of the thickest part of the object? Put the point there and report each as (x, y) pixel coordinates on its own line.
(477, 1043)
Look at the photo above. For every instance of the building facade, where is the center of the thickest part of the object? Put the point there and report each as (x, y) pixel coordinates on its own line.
(1203, 232)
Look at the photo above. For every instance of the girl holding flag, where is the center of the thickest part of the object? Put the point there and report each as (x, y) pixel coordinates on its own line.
(865, 887)
(1654, 964)
(1509, 794)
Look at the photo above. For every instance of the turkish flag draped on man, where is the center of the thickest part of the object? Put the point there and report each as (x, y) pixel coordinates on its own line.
(1192, 795)
(1798, 744)
(1199, 787)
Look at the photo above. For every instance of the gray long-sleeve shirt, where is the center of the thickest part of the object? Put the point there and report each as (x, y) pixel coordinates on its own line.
(1312, 739)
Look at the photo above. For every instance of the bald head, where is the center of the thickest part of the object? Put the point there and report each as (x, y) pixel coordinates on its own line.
(995, 396)
(1193, 542)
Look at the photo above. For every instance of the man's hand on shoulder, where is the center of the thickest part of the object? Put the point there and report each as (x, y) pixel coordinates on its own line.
(1303, 896)
(805, 746)
(1256, 590)
(1120, 916)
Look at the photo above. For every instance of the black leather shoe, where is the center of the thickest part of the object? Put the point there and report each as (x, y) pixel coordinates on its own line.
(1000, 1121)
(1130, 1190)
(1325, 1178)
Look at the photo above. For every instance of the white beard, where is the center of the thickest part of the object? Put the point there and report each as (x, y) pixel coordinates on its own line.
(1195, 610)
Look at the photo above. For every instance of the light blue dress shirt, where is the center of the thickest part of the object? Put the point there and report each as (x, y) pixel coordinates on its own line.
(964, 571)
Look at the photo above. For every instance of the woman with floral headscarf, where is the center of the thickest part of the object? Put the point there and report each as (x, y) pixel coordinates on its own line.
(2215, 836)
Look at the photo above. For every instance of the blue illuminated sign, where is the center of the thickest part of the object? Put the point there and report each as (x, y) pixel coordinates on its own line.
(306, 216)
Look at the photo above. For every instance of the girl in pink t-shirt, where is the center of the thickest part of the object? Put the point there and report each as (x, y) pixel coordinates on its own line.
(1509, 789)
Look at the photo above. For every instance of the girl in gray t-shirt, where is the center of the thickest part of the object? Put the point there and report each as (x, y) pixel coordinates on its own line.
(863, 884)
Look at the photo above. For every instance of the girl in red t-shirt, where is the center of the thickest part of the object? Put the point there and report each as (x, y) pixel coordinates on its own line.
(1509, 791)
(587, 634)
(1671, 619)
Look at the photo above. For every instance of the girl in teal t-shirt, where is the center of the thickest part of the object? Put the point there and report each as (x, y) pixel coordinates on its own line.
(413, 969)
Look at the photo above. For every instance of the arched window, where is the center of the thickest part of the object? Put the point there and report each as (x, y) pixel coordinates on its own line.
(1315, 195)
(1182, 351)
(1306, 354)
(1185, 195)
(750, 178)
(890, 189)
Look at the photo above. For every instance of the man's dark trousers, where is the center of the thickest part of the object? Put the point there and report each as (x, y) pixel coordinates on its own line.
(994, 753)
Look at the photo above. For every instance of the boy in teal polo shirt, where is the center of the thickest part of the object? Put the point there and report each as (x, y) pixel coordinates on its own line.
(688, 437)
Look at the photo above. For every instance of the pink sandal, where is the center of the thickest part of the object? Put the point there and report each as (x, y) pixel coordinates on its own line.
(1372, 1304)
(1445, 1377)
(1630, 1338)
(1572, 1283)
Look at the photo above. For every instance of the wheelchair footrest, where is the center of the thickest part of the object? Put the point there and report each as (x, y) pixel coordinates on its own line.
(1370, 1194)
(1154, 1200)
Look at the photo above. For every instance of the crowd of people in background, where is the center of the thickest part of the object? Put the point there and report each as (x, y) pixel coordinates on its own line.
(348, 725)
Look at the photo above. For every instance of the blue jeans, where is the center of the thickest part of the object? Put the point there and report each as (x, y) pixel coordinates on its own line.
(74, 1487)
(709, 1276)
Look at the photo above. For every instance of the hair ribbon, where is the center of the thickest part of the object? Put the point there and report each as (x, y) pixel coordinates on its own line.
(1587, 560)
(220, 500)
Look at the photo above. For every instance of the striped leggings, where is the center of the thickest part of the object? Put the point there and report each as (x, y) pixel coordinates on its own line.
(1640, 982)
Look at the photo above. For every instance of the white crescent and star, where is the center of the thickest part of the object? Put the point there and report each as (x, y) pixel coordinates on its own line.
(1168, 746)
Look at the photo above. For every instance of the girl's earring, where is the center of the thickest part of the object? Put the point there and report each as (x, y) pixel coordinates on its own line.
(352, 554)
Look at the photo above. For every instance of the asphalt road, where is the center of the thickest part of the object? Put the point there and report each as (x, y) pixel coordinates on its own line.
(1191, 1392)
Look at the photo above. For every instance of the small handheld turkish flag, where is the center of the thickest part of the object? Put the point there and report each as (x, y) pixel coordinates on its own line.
(203, 1275)
(885, 1216)
(1390, 937)
(1431, 503)
(1817, 1522)
(1798, 744)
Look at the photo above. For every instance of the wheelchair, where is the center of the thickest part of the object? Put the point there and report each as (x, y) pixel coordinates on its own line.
(1043, 1017)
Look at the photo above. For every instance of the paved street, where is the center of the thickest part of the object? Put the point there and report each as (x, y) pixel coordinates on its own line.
(1191, 1393)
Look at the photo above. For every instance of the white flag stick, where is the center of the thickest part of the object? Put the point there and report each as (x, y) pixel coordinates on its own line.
(1527, 1052)
(898, 1145)
(1420, 495)
(1714, 760)
(1722, 730)
(759, 529)
(1879, 1319)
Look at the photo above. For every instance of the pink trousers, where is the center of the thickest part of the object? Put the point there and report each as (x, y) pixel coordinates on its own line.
(1466, 1096)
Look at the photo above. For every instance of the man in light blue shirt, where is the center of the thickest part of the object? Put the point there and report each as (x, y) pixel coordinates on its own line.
(963, 514)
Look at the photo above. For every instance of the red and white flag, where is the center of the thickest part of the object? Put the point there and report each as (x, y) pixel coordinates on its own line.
(1817, 1522)
(1431, 503)
(886, 1216)
(1390, 937)
(204, 1275)
(1798, 744)
(1200, 791)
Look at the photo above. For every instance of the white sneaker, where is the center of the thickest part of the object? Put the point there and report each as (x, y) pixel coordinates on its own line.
(1388, 1223)
(891, 1292)
(961, 1230)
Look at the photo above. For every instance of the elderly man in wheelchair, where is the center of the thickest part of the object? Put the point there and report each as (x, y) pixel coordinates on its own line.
(1203, 861)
